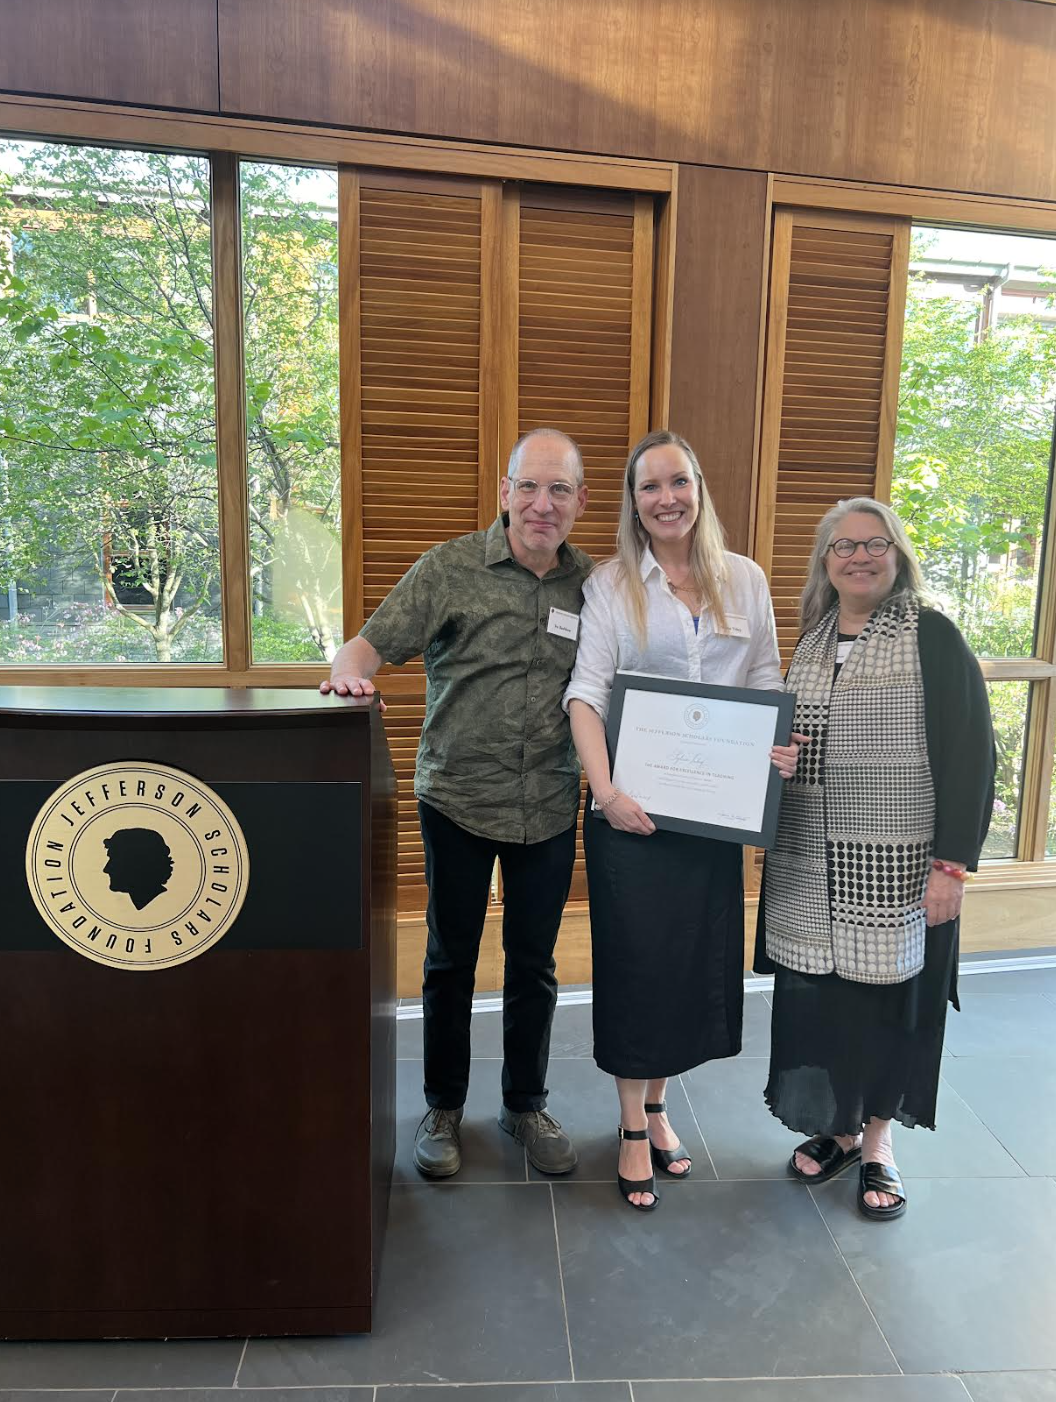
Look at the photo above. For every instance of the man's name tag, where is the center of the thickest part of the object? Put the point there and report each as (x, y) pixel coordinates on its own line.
(736, 626)
(563, 623)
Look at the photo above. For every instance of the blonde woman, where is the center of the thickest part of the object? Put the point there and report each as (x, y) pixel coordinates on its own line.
(665, 908)
(862, 892)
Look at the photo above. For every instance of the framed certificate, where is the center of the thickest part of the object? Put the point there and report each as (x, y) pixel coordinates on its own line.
(697, 757)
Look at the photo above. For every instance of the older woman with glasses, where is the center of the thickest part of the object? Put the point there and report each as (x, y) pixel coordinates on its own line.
(879, 827)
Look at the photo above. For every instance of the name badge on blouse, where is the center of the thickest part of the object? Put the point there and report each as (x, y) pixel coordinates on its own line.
(736, 627)
(563, 623)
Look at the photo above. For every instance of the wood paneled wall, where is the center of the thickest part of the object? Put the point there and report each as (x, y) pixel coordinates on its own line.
(721, 238)
(158, 53)
(952, 94)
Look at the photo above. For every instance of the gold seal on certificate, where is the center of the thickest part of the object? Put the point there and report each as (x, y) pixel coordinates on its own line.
(697, 757)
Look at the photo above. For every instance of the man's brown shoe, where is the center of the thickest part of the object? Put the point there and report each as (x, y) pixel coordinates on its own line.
(438, 1144)
(548, 1147)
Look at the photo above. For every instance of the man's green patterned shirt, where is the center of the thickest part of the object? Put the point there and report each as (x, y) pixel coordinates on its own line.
(496, 753)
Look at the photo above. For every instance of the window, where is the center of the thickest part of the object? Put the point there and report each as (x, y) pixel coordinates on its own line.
(108, 484)
(1009, 703)
(972, 459)
(289, 271)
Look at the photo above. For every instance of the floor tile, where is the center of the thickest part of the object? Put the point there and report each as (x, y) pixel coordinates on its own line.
(1002, 1025)
(485, 1036)
(1016, 982)
(182, 1363)
(102, 1395)
(743, 1138)
(891, 1389)
(755, 1039)
(489, 1155)
(746, 1141)
(1011, 1387)
(246, 1394)
(584, 1100)
(511, 1392)
(962, 1282)
(709, 1285)
(1011, 1096)
(960, 1147)
(470, 1292)
(573, 1031)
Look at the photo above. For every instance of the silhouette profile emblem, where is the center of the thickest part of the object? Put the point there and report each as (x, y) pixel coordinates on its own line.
(137, 865)
(696, 716)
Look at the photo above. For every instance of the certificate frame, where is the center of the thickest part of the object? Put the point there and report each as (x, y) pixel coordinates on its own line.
(781, 702)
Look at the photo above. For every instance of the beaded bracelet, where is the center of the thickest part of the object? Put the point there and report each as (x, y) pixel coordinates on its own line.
(953, 871)
(611, 799)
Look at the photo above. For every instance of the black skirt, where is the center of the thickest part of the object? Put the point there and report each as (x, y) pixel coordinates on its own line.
(843, 1053)
(667, 933)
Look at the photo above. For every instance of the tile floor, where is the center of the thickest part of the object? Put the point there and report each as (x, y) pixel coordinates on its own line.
(743, 1287)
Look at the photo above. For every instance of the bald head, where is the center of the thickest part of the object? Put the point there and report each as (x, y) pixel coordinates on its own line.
(548, 444)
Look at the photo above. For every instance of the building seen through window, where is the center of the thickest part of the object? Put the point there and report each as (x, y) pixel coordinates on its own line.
(973, 455)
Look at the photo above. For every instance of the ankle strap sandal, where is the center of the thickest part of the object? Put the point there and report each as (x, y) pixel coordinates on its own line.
(627, 1186)
(664, 1158)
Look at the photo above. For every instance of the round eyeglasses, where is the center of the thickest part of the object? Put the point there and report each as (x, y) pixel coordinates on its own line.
(528, 490)
(876, 546)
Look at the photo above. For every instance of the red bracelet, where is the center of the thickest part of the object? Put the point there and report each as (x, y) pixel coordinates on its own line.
(953, 871)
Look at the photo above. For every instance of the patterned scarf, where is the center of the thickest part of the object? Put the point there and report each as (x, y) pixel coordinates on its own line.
(846, 877)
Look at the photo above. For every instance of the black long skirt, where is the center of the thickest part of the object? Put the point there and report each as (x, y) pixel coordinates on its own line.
(843, 1053)
(667, 932)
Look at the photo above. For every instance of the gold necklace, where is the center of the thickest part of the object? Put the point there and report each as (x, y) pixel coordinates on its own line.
(689, 590)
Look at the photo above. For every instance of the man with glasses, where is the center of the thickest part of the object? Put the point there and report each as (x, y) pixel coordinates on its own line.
(496, 616)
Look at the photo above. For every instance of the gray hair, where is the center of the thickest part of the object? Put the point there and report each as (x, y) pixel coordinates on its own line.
(515, 452)
(819, 595)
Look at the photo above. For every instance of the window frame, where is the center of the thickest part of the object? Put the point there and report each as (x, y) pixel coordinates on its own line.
(224, 141)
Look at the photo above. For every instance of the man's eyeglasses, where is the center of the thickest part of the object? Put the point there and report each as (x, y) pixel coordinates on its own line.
(560, 493)
(876, 546)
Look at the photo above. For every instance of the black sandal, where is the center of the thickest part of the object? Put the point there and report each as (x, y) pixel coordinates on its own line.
(880, 1178)
(664, 1158)
(826, 1152)
(628, 1186)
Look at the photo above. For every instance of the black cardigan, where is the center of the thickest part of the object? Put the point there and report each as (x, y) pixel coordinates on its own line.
(961, 752)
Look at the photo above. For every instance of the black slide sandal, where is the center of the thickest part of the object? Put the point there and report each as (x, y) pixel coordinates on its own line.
(826, 1152)
(880, 1178)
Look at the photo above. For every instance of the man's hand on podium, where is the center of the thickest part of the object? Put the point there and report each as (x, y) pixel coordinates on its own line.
(347, 685)
(351, 670)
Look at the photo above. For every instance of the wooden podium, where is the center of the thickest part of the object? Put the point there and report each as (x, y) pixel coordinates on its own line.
(199, 1145)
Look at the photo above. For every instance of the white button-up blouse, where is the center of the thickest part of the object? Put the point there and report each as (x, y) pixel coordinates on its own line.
(744, 655)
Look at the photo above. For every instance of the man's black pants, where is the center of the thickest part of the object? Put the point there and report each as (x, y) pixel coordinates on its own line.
(535, 879)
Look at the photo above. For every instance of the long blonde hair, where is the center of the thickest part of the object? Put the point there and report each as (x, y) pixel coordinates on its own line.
(707, 551)
(819, 593)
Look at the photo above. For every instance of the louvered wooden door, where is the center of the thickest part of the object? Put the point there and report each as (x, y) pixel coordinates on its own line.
(419, 316)
(577, 317)
(834, 343)
(463, 301)
(834, 346)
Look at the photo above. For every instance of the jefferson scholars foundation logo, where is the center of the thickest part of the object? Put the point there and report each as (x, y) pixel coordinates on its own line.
(139, 866)
(696, 716)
